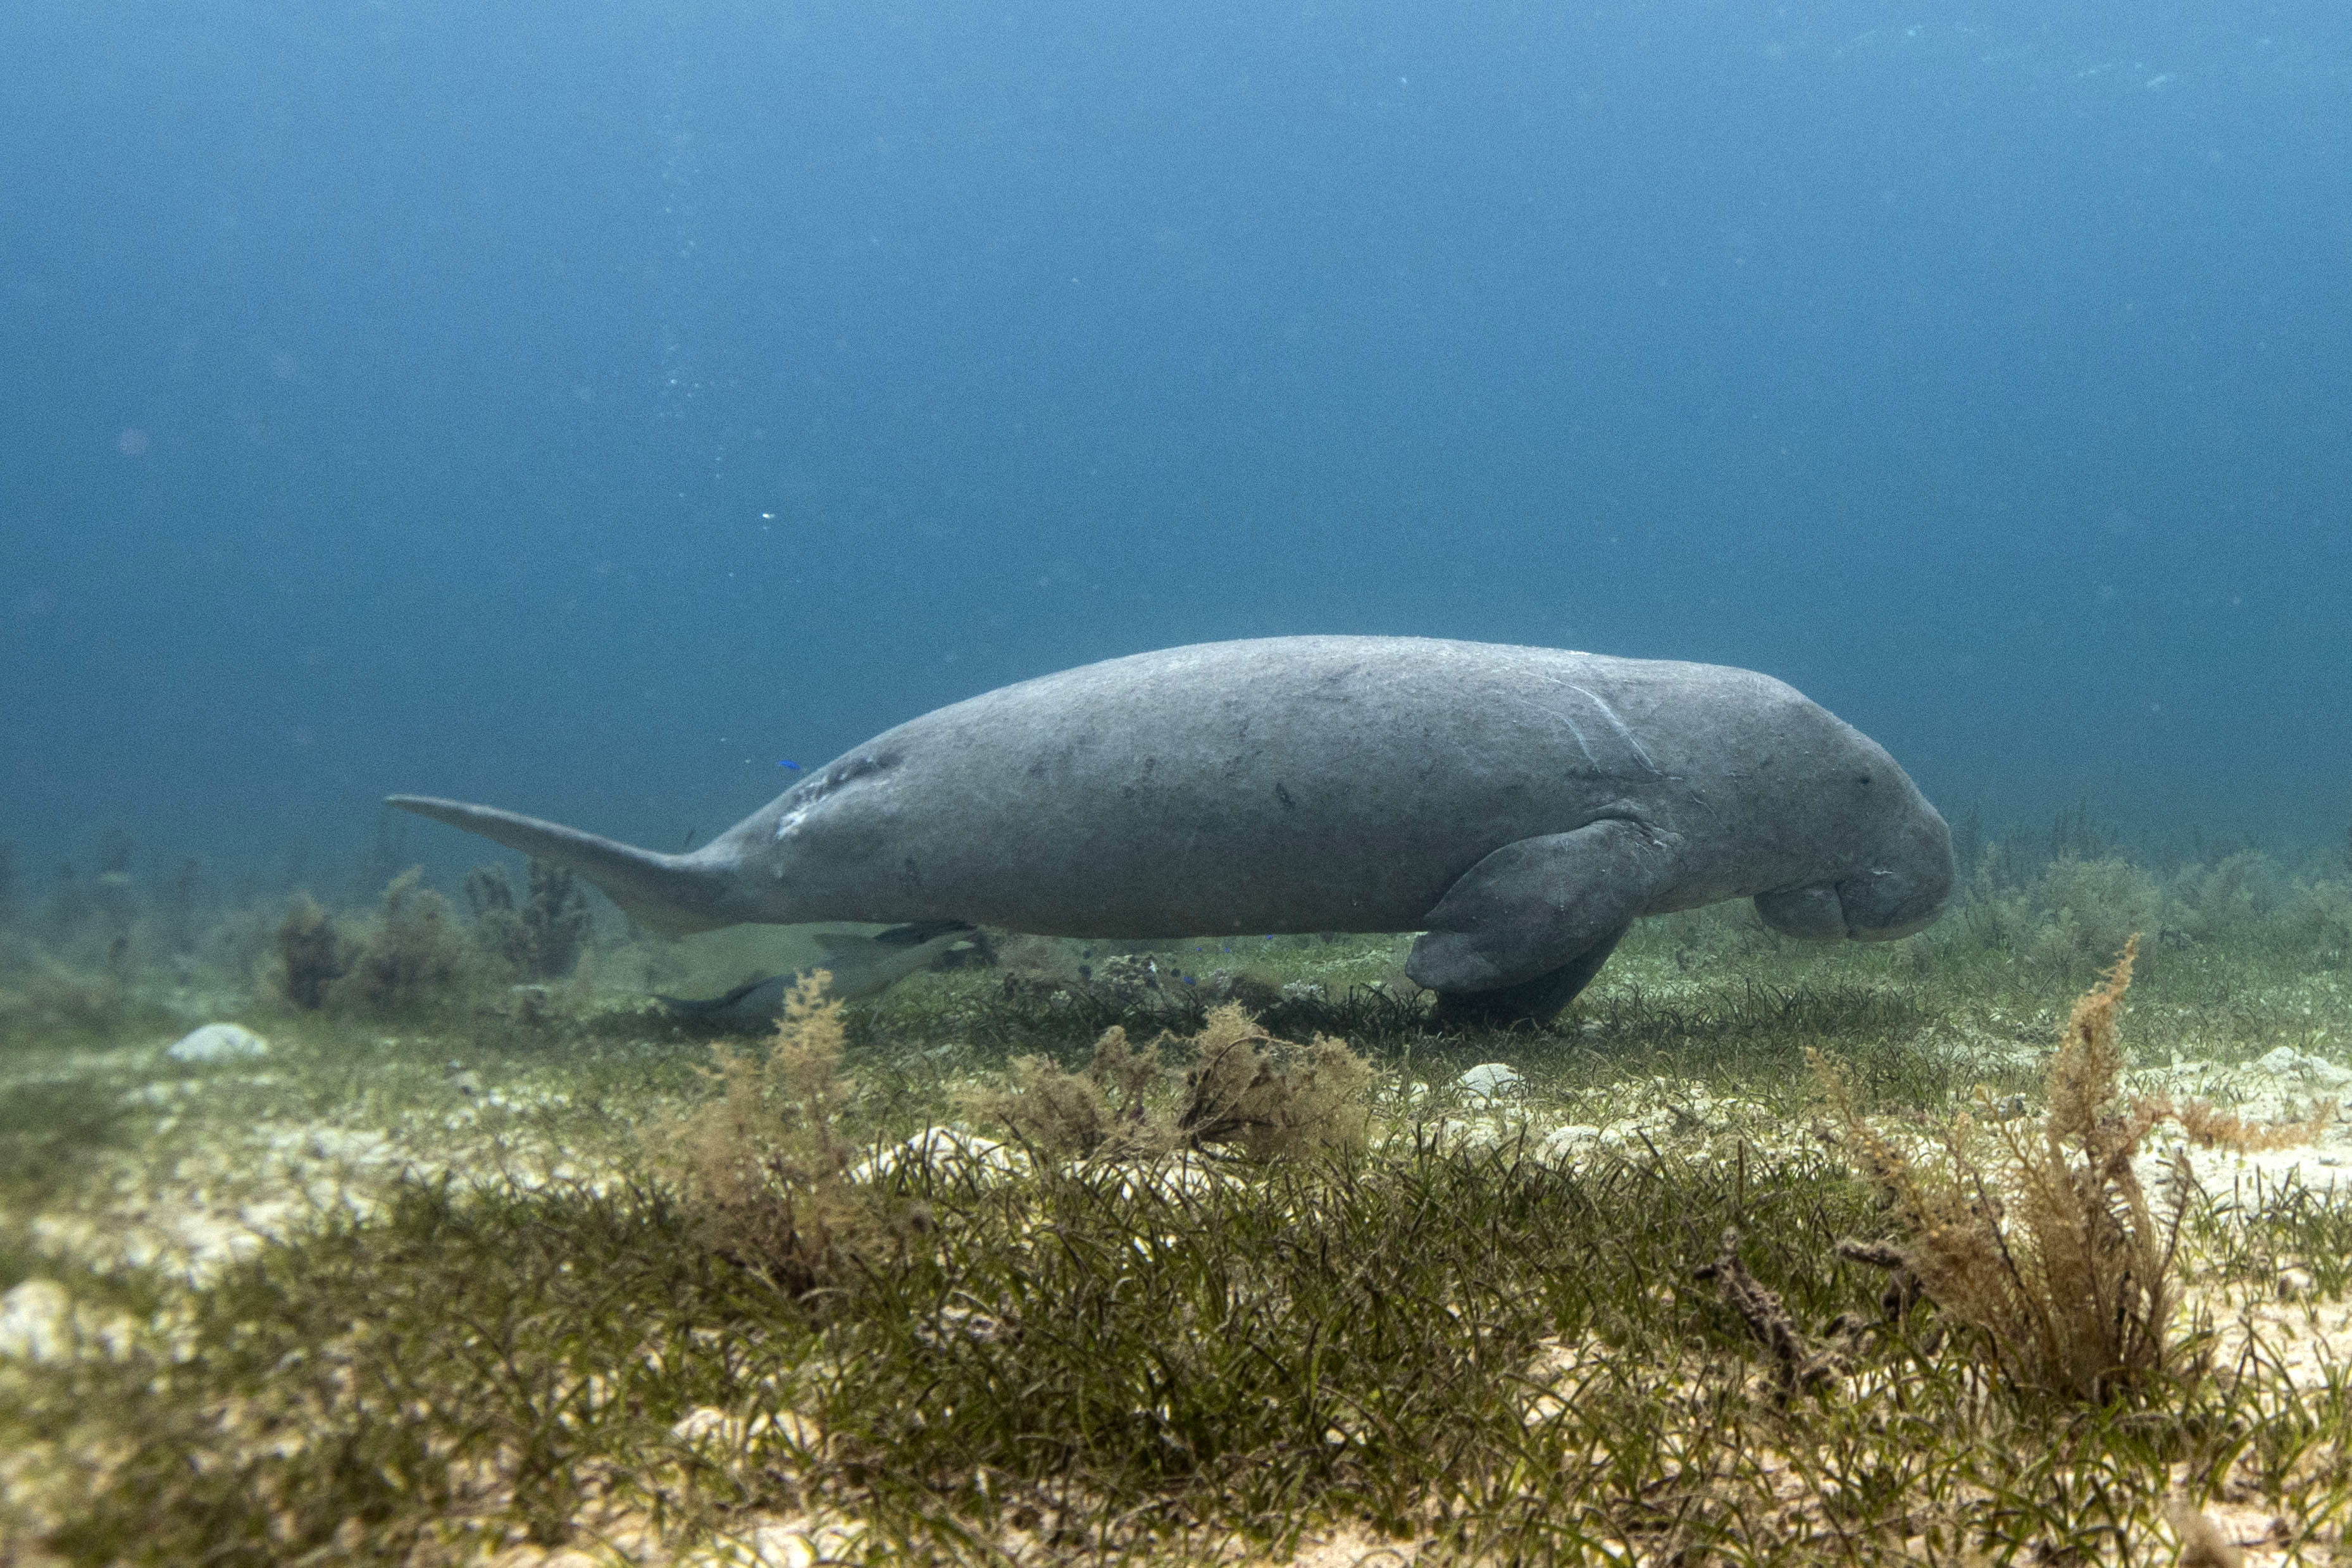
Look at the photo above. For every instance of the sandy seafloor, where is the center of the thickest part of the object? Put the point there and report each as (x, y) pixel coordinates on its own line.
(221, 1155)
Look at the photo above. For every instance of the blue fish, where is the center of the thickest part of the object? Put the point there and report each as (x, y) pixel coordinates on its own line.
(788, 763)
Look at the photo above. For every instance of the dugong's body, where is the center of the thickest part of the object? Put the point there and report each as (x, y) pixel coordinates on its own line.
(1519, 806)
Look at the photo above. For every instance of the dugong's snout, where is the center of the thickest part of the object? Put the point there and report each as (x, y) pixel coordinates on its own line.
(1899, 890)
(1904, 887)
(1878, 908)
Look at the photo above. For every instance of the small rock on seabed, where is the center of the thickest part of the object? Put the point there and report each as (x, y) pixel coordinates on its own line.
(1492, 1081)
(217, 1042)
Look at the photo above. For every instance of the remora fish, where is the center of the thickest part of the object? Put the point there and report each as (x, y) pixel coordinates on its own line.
(857, 965)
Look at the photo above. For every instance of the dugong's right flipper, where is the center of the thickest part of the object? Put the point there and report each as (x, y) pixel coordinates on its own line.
(1538, 918)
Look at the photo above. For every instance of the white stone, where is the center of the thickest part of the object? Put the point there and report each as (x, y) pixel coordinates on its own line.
(1563, 1145)
(799, 1542)
(943, 1147)
(217, 1042)
(1180, 1175)
(2285, 1062)
(1466, 1134)
(707, 1423)
(1492, 1080)
(35, 1319)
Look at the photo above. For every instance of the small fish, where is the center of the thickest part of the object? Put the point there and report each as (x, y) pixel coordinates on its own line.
(788, 763)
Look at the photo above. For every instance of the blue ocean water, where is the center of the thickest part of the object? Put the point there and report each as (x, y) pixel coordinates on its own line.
(580, 408)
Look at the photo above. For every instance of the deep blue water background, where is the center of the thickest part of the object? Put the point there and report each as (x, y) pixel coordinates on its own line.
(581, 407)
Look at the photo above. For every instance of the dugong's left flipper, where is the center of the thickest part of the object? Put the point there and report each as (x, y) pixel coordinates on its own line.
(1539, 917)
(1530, 1001)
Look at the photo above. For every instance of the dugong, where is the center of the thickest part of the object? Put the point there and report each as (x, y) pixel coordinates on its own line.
(1518, 807)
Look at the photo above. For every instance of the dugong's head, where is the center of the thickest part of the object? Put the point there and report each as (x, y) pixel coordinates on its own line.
(1893, 864)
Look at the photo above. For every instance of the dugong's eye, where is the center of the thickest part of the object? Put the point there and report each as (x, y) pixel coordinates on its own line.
(1862, 778)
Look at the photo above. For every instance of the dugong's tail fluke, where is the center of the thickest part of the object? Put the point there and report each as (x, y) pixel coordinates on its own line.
(672, 893)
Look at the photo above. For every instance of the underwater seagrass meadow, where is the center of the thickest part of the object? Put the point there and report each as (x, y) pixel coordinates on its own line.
(631, 412)
(455, 1247)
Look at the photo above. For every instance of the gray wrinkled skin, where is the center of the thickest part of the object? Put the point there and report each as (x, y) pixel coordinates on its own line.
(1519, 806)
